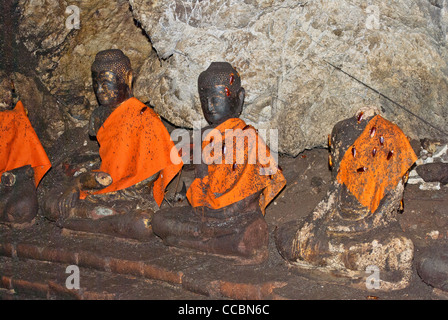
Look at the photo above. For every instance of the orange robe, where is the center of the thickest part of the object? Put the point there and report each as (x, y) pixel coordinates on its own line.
(19, 144)
(242, 176)
(134, 145)
(376, 162)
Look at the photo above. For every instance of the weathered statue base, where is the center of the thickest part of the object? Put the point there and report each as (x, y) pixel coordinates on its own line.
(96, 214)
(130, 225)
(241, 237)
(353, 262)
(322, 244)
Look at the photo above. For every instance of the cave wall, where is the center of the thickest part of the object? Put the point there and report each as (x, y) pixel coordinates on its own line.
(393, 53)
(63, 52)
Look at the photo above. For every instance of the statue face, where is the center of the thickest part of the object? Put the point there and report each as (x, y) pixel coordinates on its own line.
(219, 103)
(108, 89)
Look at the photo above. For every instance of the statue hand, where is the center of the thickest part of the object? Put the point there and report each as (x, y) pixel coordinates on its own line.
(68, 201)
(94, 180)
(384, 214)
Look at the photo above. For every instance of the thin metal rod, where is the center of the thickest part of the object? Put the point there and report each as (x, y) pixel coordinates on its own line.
(386, 97)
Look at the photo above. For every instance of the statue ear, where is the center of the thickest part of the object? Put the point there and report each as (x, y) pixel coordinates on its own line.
(129, 78)
(241, 96)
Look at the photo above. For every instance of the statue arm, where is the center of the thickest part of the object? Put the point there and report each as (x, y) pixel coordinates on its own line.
(99, 115)
(384, 214)
(93, 123)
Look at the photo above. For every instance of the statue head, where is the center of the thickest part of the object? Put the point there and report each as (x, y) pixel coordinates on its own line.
(112, 77)
(220, 92)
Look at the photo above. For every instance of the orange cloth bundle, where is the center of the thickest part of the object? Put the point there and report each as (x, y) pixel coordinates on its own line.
(376, 162)
(19, 144)
(134, 145)
(245, 174)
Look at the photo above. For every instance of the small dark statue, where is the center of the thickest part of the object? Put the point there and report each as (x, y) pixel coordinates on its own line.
(23, 162)
(228, 197)
(120, 197)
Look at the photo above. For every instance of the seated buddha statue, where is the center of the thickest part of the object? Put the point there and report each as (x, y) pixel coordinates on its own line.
(233, 182)
(354, 229)
(23, 163)
(120, 197)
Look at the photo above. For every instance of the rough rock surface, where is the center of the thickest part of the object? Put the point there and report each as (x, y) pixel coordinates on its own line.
(286, 53)
(43, 111)
(48, 121)
(434, 172)
(65, 52)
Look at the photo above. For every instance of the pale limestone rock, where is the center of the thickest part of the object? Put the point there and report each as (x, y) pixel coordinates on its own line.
(282, 50)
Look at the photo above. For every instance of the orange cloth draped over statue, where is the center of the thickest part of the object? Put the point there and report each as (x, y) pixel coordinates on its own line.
(245, 172)
(376, 162)
(134, 145)
(19, 144)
